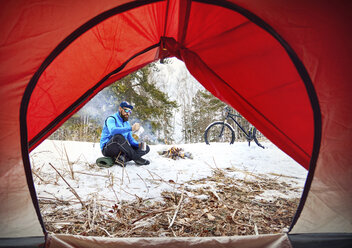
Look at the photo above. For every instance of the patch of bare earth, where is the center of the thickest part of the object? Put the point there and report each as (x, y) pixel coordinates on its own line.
(220, 205)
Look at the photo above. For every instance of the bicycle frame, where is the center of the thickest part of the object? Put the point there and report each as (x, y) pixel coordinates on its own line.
(250, 135)
(232, 117)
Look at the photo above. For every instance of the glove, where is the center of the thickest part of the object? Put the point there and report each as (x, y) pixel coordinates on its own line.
(135, 127)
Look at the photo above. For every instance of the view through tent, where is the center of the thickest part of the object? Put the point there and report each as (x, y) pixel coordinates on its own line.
(283, 66)
(125, 38)
(222, 55)
(264, 185)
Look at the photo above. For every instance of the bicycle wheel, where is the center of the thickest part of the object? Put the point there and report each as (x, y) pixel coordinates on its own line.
(219, 132)
(255, 138)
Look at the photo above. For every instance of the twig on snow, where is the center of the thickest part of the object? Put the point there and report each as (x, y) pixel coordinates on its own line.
(143, 182)
(151, 214)
(41, 179)
(70, 164)
(233, 215)
(111, 181)
(72, 189)
(105, 231)
(90, 174)
(256, 229)
(178, 207)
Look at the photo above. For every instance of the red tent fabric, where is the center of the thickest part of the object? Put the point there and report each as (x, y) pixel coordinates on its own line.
(256, 58)
(283, 65)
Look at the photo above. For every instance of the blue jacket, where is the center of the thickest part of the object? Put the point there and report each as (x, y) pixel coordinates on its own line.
(114, 124)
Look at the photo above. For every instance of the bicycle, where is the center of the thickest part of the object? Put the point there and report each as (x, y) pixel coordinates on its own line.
(221, 131)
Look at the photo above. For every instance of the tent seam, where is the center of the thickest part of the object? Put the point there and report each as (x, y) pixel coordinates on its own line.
(183, 30)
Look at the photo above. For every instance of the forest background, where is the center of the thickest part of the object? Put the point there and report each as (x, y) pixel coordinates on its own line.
(171, 105)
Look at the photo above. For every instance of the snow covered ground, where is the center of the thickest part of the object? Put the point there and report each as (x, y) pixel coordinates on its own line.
(75, 161)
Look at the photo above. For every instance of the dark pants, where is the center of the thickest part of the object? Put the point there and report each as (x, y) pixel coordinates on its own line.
(118, 145)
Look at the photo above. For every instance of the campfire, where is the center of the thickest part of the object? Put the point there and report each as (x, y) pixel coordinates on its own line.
(175, 153)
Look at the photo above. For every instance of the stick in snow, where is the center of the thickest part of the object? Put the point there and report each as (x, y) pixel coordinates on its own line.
(72, 189)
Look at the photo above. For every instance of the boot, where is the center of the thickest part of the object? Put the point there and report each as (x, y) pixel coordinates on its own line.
(121, 160)
(141, 161)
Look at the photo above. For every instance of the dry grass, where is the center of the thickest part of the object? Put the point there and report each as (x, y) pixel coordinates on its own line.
(227, 207)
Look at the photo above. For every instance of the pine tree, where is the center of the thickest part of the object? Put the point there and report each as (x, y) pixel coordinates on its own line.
(152, 106)
(80, 127)
(207, 109)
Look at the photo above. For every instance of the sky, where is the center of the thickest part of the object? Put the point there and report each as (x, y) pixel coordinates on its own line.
(76, 163)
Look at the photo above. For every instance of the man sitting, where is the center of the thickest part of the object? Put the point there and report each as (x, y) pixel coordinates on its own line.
(117, 141)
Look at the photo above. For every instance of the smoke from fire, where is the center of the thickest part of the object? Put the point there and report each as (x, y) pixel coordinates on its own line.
(105, 104)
